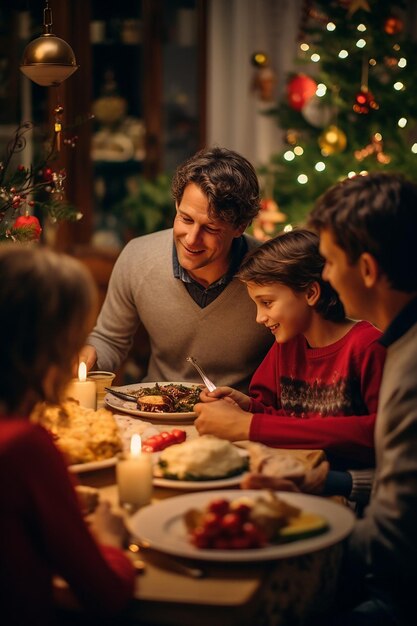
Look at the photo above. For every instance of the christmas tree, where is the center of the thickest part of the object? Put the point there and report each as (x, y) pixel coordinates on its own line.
(351, 108)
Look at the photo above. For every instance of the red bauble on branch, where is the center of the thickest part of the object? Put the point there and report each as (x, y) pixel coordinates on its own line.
(299, 91)
(365, 102)
(28, 221)
(393, 25)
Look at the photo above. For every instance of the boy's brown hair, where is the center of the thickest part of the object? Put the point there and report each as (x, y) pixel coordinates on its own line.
(293, 259)
(227, 179)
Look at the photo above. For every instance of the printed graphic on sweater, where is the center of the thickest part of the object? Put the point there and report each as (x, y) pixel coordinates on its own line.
(300, 398)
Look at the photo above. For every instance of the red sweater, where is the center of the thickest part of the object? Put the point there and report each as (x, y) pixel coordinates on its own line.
(42, 533)
(320, 397)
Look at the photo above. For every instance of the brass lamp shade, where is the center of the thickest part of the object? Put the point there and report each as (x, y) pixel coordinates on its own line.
(48, 60)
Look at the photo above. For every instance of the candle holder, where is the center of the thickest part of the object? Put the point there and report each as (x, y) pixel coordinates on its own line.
(101, 380)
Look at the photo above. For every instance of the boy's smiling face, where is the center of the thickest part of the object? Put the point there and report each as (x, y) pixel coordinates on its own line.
(285, 312)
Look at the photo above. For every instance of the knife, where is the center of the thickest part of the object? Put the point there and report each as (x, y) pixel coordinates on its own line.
(165, 560)
(121, 395)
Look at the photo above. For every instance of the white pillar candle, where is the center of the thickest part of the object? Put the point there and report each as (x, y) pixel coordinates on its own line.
(82, 389)
(134, 476)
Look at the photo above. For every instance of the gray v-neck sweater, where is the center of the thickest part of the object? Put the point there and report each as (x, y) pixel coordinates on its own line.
(223, 336)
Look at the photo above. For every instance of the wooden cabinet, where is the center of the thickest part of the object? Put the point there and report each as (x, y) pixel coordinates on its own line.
(150, 55)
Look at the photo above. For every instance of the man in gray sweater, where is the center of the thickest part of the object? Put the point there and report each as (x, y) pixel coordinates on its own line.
(180, 283)
(368, 230)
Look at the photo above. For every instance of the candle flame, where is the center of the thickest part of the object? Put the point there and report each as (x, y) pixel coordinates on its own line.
(82, 372)
(135, 445)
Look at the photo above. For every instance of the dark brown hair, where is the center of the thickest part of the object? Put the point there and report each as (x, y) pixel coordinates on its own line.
(46, 304)
(375, 213)
(227, 179)
(293, 260)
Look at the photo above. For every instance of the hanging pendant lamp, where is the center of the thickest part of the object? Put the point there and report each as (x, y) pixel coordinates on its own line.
(48, 60)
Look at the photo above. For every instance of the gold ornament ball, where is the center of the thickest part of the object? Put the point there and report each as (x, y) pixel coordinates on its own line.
(259, 59)
(332, 140)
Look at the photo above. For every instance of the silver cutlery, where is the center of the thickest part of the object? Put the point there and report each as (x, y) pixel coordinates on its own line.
(137, 547)
(121, 395)
(208, 383)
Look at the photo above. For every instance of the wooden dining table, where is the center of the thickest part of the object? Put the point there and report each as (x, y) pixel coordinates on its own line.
(272, 592)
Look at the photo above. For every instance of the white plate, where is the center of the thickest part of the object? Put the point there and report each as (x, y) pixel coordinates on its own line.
(79, 468)
(131, 407)
(161, 525)
(199, 485)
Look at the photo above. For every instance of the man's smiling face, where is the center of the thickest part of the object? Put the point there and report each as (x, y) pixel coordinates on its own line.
(203, 244)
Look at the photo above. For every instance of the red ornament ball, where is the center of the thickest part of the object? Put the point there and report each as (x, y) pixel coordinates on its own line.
(29, 221)
(47, 173)
(393, 25)
(299, 91)
(365, 102)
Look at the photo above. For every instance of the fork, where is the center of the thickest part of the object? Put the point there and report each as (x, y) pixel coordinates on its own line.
(208, 383)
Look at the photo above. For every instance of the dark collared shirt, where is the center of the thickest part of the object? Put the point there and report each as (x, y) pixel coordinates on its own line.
(205, 295)
(400, 324)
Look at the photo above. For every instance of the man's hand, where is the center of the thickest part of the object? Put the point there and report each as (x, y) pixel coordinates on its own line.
(88, 355)
(228, 394)
(312, 481)
(222, 419)
(260, 481)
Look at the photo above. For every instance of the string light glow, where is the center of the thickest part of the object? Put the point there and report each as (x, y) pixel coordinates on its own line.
(304, 47)
(331, 26)
(298, 150)
(414, 148)
(402, 62)
(343, 54)
(351, 174)
(321, 90)
(361, 43)
(398, 86)
(315, 57)
(302, 179)
(289, 155)
(320, 166)
(361, 28)
(402, 122)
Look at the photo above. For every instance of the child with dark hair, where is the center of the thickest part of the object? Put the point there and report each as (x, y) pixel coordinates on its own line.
(46, 305)
(318, 385)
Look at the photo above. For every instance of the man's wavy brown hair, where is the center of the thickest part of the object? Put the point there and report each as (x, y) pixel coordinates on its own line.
(227, 179)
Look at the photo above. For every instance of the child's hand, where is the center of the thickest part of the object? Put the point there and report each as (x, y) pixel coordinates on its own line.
(228, 394)
(224, 419)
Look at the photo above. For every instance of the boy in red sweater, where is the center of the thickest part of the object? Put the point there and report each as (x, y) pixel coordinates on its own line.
(318, 385)
(46, 304)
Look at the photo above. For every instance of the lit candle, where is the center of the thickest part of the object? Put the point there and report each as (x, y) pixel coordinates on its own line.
(134, 476)
(82, 389)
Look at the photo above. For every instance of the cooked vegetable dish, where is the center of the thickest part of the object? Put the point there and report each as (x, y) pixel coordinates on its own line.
(170, 398)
